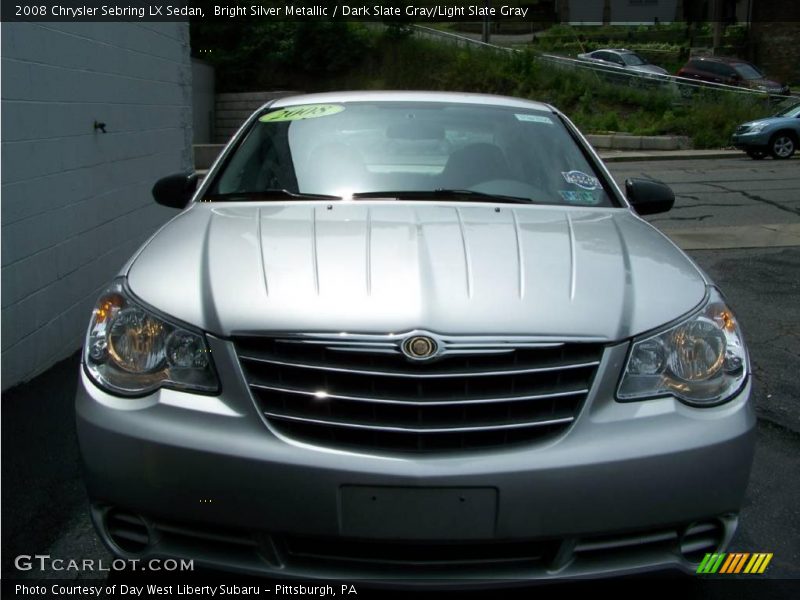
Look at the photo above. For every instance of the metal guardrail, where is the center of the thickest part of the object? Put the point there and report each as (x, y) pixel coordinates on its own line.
(685, 89)
(423, 31)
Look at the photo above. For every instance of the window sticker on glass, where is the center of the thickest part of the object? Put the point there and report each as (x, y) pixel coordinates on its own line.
(307, 111)
(533, 118)
(586, 198)
(582, 180)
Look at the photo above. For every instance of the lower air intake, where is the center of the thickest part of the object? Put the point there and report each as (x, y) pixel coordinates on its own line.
(128, 531)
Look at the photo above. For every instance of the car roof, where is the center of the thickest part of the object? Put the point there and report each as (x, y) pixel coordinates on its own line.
(722, 59)
(405, 96)
(617, 50)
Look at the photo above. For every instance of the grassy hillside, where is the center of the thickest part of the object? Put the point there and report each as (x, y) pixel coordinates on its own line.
(344, 56)
(593, 104)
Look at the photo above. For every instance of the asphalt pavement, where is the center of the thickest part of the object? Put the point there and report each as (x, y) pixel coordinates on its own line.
(44, 505)
(763, 288)
(722, 192)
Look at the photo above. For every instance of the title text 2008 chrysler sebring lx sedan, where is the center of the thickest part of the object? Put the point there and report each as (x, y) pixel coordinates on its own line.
(414, 336)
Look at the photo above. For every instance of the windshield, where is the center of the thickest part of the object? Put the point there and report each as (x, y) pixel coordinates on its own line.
(365, 148)
(633, 60)
(791, 112)
(748, 71)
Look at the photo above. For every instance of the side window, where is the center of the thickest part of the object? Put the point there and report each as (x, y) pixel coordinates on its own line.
(712, 68)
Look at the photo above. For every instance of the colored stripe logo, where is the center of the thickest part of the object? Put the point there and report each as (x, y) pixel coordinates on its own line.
(733, 563)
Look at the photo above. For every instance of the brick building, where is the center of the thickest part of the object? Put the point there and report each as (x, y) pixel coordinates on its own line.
(595, 12)
(775, 38)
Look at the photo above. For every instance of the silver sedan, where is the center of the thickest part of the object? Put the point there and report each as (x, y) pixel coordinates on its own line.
(623, 59)
(414, 336)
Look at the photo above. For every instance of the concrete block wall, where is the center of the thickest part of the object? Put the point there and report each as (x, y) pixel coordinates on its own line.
(232, 110)
(76, 202)
(203, 84)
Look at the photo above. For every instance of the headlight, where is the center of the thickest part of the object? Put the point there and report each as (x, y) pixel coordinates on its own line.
(131, 351)
(701, 361)
(757, 128)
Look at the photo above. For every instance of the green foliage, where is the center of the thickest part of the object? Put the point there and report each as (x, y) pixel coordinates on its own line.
(664, 45)
(329, 56)
(674, 34)
(261, 54)
(327, 46)
(398, 30)
(595, 104)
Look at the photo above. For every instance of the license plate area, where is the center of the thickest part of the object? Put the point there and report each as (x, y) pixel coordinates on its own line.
(408, 513)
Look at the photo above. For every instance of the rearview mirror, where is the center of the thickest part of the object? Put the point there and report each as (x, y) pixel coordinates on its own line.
(649, 197)
(414, 130)
(175, 191)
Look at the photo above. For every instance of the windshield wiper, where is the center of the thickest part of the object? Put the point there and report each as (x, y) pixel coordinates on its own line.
(444, 193)
(272, 194)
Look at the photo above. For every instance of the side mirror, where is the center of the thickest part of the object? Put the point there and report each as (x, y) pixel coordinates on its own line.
(175, 191)
(649, 197)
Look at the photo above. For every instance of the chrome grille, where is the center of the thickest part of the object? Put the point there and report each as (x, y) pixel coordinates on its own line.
(362, 391)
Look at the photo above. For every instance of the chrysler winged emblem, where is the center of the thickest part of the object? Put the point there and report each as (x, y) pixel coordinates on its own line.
(420, 347)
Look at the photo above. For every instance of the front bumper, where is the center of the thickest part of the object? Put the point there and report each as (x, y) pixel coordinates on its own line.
(751, 141)
(210, 481)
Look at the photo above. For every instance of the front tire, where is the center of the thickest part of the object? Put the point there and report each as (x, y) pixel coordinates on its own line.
(782, 145)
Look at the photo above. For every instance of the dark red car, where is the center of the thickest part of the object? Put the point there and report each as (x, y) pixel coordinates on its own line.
(731, 71)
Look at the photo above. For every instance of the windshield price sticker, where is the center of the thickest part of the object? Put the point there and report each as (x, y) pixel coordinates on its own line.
(585, 198)
(533, 118)
(582, 180)
(296, 113)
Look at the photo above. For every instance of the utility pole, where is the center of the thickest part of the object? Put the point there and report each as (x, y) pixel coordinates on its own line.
(716, 25)
(562, 10)
(486, 35)
(679, 14)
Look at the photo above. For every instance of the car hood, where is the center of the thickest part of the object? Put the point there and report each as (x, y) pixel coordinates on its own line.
(768, 84)
(748, 124)
(388, 267)
(774, 122)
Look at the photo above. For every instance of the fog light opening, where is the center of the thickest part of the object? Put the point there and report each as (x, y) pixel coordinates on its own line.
(128, 531)
(700, 539)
